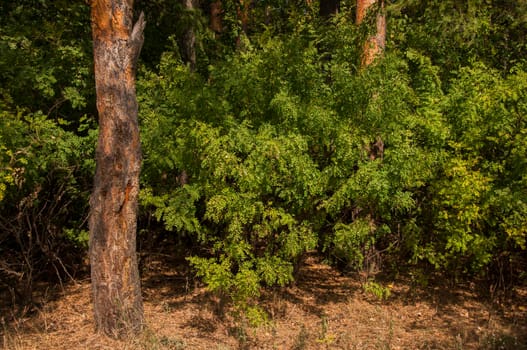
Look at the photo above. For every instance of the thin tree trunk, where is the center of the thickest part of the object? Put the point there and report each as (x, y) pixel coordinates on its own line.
(216, 17)
(375, 44)
(188, 40)
(117, 301)
(243, 14)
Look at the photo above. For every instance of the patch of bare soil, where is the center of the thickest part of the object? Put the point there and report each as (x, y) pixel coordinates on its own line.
(323, 310)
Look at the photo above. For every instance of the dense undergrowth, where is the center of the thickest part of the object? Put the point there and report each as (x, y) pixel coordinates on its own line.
(284, 145)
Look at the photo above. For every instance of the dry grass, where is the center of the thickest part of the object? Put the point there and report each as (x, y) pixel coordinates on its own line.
(324, 310)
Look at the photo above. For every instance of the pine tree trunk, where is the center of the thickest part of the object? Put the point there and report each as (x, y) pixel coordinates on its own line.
(375, 44)
(116, 289)
(188, 40)
(243, 14)
(216, 11)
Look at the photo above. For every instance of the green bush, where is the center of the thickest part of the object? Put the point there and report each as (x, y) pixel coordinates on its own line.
(279, 152)
(478, 198)
(45, 179)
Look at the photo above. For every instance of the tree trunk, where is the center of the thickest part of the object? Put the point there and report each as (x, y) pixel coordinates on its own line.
(117, 301)
(215, 17)
(328, 8)
(375, 44)
(188, 41)
(243, 14)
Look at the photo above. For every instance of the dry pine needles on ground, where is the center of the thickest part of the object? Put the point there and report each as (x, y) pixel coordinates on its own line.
(322, 310)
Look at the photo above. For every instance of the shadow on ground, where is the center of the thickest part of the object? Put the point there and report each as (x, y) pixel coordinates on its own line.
(323, 309)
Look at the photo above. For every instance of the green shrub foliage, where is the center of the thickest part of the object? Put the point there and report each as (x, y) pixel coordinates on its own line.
(280, 151)
(45, 179)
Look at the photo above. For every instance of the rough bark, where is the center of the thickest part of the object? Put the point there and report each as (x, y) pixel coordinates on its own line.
(374, 45)
(117, 301)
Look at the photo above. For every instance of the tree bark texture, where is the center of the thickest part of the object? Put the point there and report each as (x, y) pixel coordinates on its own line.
(375, 43)
(216, 12)
(188, 40)
(117, 301)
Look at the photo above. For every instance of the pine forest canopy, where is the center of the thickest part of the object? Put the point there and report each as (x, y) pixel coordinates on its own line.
(267, 131)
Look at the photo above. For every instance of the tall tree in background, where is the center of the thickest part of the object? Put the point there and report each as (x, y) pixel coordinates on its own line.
(117, 300)
(216, 17)
(188, 39)
(243, 14)
(375, 43)
(243, 9)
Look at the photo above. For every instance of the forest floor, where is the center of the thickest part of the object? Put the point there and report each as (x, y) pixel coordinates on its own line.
(324, 309)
